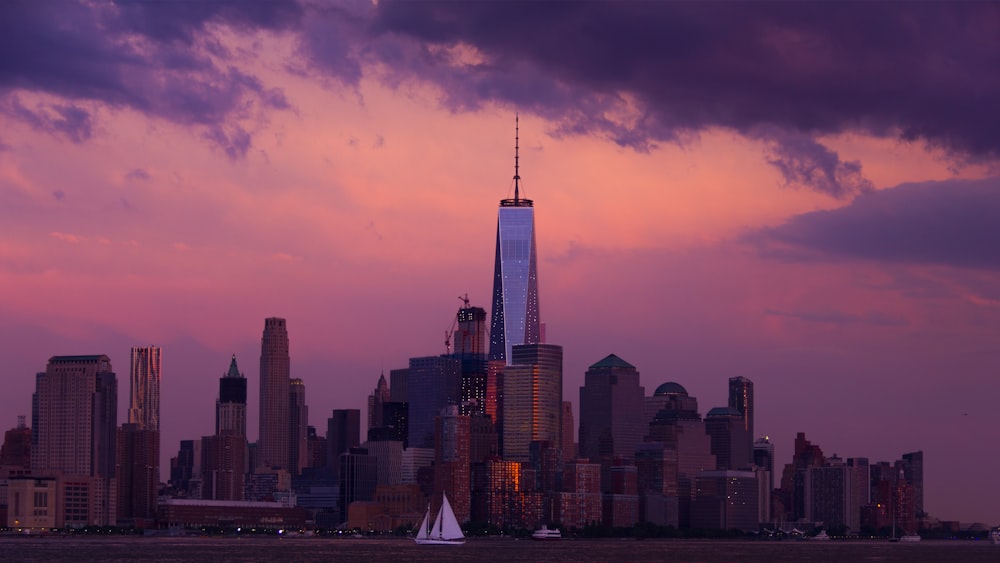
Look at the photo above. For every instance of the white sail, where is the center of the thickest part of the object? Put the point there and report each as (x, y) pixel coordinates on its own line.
(445, 531)
(424, 531)
(449, 528)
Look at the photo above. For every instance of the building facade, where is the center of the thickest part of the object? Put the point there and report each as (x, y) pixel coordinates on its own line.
(144, 387)
(515, 317)
(612, 420)
(273, 439)
(532, 406)
(75, 434)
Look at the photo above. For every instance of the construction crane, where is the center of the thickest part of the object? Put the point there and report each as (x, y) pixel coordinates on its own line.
(454, 323)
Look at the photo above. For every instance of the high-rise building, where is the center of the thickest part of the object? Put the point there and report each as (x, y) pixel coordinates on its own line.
(532, 407)
(298, 427)
(679, 427)
(272, 441)
(138, 474)
(730, 441)
(568, 432)
(231, 406)
(358, 477)
(225, 456)
(913, 472)
(379, 397)
(612, 420)
(144, 387)
(343, 432)
(397, 386)
(515, 318)
(16, 449)
(432, 384)
(741, 399)
(451, 461)
(470, 349)
(74, 420)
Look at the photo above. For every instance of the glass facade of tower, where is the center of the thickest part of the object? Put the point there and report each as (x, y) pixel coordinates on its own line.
(515, 317)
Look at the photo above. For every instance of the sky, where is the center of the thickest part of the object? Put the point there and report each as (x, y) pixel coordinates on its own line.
(804, 194)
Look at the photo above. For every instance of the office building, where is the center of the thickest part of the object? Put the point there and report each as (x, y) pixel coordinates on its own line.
(273, 448)
(376, 400)
(144, 387)
(16, 449)
(532, 406)
(432, 384)
(515, 317)
(741, 400)
(730, 441)
(451, 462)
(343, 432)
(298, 427)
(611, 412)
(231, 406)
(75, 434)
(138, 474)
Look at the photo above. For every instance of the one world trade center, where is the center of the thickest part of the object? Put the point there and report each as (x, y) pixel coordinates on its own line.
(515, 276)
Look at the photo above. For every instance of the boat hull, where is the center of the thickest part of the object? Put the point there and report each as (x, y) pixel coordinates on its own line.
(429, 541)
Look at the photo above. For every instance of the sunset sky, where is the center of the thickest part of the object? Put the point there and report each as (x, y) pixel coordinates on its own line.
(804, 194)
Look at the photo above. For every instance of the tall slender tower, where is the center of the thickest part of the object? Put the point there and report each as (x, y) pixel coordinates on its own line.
(515, 317)
(298, 427)
(231, 407)
(144, 386)
(272, 441)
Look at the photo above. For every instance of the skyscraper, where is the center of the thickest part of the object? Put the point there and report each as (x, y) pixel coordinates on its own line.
(272, 441)
(432, 383)
(74, 431)
(144, 388)
(470, 349)
(225, 455)
(741, 399)
(231, 407)
(612, 419)
(343, 432)
(379, 397)
(515, 318)
(532, 408)
(298, 427)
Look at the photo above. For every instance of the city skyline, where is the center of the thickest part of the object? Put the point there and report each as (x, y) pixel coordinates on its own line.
(341, 169)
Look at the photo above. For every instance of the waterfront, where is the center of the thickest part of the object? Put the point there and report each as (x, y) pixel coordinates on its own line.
(261, 549)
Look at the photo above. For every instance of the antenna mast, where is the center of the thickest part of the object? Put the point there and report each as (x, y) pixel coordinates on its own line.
(517, 175)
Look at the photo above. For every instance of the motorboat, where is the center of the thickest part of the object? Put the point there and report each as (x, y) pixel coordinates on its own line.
(544, 533)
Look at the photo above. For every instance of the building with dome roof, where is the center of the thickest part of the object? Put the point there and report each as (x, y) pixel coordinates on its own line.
(611, 412)
(673, 397)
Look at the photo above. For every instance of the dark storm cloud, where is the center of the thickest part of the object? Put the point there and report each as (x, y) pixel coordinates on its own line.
(917, 71)
(952, 223)
(67, 120)
(151, 57)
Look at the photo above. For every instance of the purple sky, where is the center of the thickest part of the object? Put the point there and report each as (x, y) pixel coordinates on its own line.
(804, 194)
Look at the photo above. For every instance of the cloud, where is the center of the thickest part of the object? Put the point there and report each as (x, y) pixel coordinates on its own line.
(67, 120)
(951, 223)
(643, 73)
(157, 58)
(803, 162)
(137, 174)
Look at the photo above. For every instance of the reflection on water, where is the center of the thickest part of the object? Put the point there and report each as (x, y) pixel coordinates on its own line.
(286, 550)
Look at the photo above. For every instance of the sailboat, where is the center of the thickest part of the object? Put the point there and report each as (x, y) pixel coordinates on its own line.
(445, 530)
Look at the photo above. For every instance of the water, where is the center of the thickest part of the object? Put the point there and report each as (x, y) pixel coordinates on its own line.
(287, 550)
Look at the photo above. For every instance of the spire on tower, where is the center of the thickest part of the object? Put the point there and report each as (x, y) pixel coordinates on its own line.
(517, 175)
